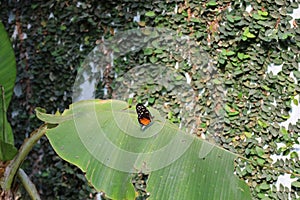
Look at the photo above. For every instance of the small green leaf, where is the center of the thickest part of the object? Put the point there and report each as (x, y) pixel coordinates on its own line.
(259, 151)
(223, 52)
(261, 195)
(284, 36)
(278, 61)
(285, 116)
(240, 95)
(271, 33)
(216, 81)
(227, 108)
(141, 23)
(296, 184)
(296, 74)
(279, 2)
(151, 100)
(265, 87)
(260, 161)
(248, 34)
(34, 6)
(211, 3)
(258, 17)
(150, 14)
(283, 131)
(237, 72)
(262, 13)
(230, 18)
(286, 152)
(243, 56)
(248, 134)
(237, 18)
(148, 51)
(221, 61)
(294, 155)
(262, 123)
(264, 186)
(203, 125)
(130, 101)
(170, 115)
(153, 59)
(63, 27)
(230, 53)
(230, 111)
(295, 101)
(158, 51)
(196, 20)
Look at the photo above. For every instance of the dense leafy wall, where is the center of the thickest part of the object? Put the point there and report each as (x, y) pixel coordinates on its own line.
(242, 39)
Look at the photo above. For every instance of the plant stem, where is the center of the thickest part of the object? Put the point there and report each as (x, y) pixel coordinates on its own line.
(14, 165)
(4, 138)
(28, 185)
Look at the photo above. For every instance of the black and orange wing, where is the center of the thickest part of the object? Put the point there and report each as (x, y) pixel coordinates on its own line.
(144, 116)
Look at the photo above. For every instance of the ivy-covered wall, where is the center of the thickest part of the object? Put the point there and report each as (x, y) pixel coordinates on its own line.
(242, 38)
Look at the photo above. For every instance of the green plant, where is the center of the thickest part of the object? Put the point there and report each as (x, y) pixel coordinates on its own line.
(225, 29)
(10, 157)
(104, 140)
(190, 160)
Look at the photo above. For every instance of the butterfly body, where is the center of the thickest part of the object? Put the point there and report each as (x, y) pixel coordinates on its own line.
(144, 116)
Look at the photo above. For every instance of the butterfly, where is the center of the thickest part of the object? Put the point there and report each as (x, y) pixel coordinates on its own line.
(144, 116)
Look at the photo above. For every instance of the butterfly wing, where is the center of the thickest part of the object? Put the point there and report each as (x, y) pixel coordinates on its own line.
(144, 116)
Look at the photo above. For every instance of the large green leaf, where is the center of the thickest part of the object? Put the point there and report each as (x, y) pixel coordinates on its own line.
(7, 81)
(104, 139)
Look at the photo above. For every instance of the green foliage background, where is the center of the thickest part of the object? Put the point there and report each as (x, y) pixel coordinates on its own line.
(54, 37)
